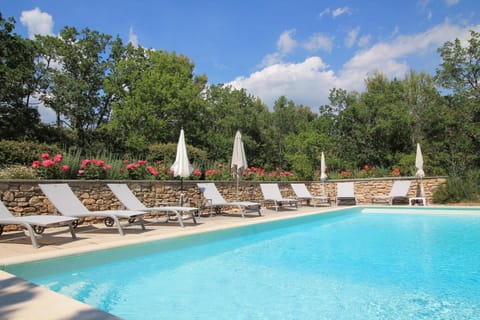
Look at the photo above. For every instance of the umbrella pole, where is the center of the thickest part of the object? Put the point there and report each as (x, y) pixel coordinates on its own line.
(181, 192)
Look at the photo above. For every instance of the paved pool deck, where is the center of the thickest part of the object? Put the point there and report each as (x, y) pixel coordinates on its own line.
(20, 299)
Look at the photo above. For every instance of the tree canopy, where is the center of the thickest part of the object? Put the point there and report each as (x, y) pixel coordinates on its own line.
(112, 96)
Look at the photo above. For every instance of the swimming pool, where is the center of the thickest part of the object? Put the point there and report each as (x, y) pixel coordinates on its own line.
(356, 263)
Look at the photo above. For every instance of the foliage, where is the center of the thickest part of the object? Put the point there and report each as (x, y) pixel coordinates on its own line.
(48, 167)
(23, 152)
(459, 188)
(93, 169)
(221, 172)
(132, 102)
(17, 172)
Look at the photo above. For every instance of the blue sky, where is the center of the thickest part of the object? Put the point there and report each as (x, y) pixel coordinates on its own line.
(300, 49)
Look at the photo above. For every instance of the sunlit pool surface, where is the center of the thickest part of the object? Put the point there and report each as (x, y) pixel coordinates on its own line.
(347, 264)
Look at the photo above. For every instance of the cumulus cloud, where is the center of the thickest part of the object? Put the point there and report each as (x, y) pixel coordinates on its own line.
(319, 41)
(308, 82)
(132, 37)
(37, 22)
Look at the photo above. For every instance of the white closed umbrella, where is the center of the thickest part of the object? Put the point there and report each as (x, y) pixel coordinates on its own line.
(181, 167)
(323, 171)
(419, 165)
(239, 159)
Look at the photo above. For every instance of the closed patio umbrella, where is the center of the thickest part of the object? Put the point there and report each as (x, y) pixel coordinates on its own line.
(419, 165)
(239, 160)
(181, 167)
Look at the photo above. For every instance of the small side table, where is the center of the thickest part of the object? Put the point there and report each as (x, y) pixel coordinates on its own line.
(419, 200)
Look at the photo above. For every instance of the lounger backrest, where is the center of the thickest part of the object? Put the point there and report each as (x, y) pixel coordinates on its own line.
(271, 191)
(301, 190)
(63, 199)
(210, 192)
(400, 188)
(345, 190)
(4, 212)
(126, 196)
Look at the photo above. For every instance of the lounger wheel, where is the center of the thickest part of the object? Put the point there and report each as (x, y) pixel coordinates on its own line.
(109, 222)
(38, 229)
(1, 229)
(131, 220)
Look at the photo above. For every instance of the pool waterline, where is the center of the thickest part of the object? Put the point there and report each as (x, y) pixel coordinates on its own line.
(204, 238)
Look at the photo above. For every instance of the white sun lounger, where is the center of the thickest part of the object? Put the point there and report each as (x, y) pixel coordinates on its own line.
(271, 193)
(215, 201)
(346, 192)
(35, 224)
(302, 193)
(399, 191)
(131, 202)
(68, 204)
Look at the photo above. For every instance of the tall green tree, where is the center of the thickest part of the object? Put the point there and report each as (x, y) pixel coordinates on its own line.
(74, 66)
(459, 73)
(158, 94)
(18, 120)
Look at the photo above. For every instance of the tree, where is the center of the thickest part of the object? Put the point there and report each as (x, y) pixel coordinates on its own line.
(73, 67)
(459, 72)
(18, 120)
(157, 95)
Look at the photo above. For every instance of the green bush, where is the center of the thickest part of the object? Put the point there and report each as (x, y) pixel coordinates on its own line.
(17, 172)
(23, 152)
(458, 189)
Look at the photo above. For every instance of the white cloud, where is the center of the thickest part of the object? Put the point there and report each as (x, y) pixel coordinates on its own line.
(324, 12)
(352, 37)
(285, 42)
(132, 37)
(309, 82)
(364, 40)
(451, 2)
(319, 41)
(339, 11)
(37, 22)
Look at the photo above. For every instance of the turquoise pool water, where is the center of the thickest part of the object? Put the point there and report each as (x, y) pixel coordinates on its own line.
(346, 264)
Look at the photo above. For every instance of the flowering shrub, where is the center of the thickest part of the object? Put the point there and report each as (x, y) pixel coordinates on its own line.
(93, 169)
(219, 173)
(346, 174)
(139, 170)
(50, 168)
(366, 172)
(395, 172)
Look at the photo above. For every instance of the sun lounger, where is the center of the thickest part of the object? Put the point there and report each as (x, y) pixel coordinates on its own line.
(346, 192)
(303, 194)
(399, 191)
(131, 202)
(68, 204)
(215, 201)
(271, 193)
(35, 224)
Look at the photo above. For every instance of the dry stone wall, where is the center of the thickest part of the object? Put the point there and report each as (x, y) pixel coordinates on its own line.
(24, 197)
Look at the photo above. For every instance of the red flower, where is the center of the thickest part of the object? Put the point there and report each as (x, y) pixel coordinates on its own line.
(152, 170)
(45, 156)
(48, 163)
(197, 172)
(65, 168)
(58, 158)
(36, 164)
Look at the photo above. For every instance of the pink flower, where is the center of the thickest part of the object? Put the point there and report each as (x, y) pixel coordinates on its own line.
(36, 164)
(45, 156)
(107, 167)
(130, 166)
(58, 158)
(48, 163)
(81, 171)
(197, 172)
(65, 168)
(152, 170)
